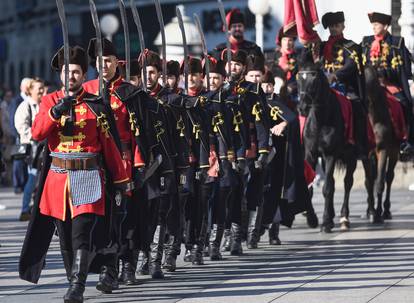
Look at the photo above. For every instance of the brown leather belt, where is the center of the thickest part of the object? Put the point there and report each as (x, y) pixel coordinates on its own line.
(76, 164)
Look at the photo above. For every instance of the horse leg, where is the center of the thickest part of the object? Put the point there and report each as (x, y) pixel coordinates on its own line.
(380, 184)
(311, 217)
(389, 178)
(370, 175)
(348, 182)
(328, 193)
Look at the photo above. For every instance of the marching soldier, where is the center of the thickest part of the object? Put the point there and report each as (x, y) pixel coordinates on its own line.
(217, 169)
(236, 24)
(173, 76)
(115, 93)
(343, 66)
(134, 73)
(241, 141)
(286, 192)
(162, 186)
(197, 211)
(392, 60)
(253, 99)
(71, 191)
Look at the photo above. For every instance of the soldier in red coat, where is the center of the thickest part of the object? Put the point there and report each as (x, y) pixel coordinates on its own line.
(116, 92)
(82, 150)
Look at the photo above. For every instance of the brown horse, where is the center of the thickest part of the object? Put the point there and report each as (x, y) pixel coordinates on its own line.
(385, 154)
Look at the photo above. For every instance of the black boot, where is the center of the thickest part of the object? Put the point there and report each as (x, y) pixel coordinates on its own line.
(216, 235)
(67, 256)
(227, 240)
(187, 256)
(252, 230)
(144, 266)
(108, 278)
(129, 266)
(171, 247)
(236, 243)
(78, 277)
(157, 248)
(274, 234)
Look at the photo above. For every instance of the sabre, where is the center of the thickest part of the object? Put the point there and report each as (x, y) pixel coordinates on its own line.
(204, 47)
(62, 17)
(95, 21)
(226, 28)
(185, 46)
(164, 51)
(126, 37)
(137, 21)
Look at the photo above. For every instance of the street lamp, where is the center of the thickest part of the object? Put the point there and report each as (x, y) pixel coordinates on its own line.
(259, 8)
(109, 25)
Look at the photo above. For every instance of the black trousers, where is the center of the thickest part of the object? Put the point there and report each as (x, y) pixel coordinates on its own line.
(76, 233)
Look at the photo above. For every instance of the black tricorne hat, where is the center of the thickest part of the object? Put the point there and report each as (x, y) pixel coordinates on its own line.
(380, 18)
(173, 68)
(108, 49)
(236, 56)
(255, 63)
(77, 55)
(331, 18)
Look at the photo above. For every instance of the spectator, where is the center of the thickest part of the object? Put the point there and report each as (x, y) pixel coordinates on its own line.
(23, 119)
(19, 166)
(8, 139)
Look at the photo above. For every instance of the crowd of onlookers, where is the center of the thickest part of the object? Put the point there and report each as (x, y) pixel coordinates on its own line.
(17, 112)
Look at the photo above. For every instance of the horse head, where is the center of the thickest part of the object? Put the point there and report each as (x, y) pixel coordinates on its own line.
(310, 79)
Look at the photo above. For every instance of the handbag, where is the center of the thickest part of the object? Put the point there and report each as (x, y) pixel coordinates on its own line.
(20, 151)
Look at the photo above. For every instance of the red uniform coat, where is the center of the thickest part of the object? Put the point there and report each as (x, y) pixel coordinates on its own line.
(90, 135)
(131, 157)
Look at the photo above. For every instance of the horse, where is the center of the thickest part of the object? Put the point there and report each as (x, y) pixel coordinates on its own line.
(386, 152)
(324, 135)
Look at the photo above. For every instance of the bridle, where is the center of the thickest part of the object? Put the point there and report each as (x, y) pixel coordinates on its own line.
(304, 93)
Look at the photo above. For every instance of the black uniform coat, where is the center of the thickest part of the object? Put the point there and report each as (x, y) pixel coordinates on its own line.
(285, 185)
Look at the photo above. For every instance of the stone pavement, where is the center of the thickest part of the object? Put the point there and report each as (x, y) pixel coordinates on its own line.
(370, 263)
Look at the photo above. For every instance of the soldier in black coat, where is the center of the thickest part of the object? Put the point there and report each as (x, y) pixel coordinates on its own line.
(236, 24)
(342, 62)
(392, 60)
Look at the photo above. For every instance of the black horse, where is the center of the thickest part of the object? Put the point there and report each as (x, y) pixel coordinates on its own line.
(324, 136)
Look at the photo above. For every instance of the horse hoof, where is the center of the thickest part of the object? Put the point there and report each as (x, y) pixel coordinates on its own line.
(312, 220)
(326, 229)
(377, 219)
(387, 215)
(345, 224)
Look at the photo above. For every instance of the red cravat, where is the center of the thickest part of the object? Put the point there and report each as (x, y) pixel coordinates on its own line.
(376, 46)
(328, 49)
